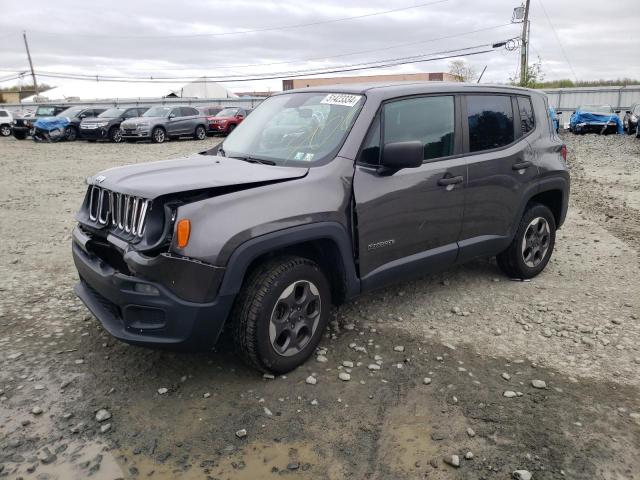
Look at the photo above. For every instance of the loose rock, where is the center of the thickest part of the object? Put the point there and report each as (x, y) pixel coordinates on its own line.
(102, 415)
(453, 460)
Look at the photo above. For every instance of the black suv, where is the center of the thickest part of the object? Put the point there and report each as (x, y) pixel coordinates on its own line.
(22, 125)
(631, 120)
(106, 126)
(75, 115)
(318, 196)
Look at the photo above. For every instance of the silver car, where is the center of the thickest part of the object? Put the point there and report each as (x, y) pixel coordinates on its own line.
(163, 122)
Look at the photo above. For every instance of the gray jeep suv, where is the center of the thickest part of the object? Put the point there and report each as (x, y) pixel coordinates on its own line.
(161, 123)
(318, 196)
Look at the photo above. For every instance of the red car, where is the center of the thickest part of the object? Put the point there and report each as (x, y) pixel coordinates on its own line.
(226, 120)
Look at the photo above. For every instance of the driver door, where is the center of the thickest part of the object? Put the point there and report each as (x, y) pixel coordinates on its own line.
(409, 222)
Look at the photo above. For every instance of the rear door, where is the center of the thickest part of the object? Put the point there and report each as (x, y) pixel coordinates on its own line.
(191, 119)
(409, 222)
(501, 167)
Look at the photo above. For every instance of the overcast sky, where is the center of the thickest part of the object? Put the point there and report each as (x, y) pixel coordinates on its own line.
(150, 37)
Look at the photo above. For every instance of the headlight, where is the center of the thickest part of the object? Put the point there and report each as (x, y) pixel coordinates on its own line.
(634, 118)
(102, 124)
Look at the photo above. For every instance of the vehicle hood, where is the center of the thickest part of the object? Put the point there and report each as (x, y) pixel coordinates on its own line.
(134, 122)
(196, 172)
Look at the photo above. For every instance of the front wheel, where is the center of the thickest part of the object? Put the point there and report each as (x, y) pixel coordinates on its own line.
(280, 314)
(230, 129)
(70, 134)
(158, 135)
(115, 134)
(638, 130)
(532, 246)
(20, 135)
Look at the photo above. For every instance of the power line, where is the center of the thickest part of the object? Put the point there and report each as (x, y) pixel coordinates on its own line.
(242, 32)
(96, 77)
(341, 55)
(283, 75)
(575, 77)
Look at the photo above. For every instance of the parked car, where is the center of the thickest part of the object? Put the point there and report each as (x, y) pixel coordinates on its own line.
(5, 122)
(595, 119)
(210, 113)
(75, 115)
(161, 123)
(23, 124)
(106, 126)
(555, 121)
(227, 120)
(631, 117)
(266, 231)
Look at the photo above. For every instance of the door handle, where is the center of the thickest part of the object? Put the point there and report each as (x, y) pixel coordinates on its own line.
(446, 181)
(521, 165)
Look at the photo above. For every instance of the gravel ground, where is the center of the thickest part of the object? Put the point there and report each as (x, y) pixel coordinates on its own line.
(461, 354)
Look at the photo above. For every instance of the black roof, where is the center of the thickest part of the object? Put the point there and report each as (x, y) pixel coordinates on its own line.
(397, 89)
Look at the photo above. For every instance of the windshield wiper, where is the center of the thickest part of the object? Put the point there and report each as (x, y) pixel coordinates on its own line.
(255, 160)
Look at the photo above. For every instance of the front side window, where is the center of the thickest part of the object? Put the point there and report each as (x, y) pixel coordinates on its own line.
(429, 120)
(111, 113)
(227, 112)
(527, 120)
(490, 120)
(295, 129)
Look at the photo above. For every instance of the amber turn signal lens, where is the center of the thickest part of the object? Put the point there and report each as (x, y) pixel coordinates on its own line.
(183, 230)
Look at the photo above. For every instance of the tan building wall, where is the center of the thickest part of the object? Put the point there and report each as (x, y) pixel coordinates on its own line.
(316, 82)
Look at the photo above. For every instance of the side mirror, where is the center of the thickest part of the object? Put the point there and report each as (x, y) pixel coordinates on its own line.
(84, 115)
(617, 111)
(628, 111)
(239, 117)
(399, 155)
(558, 113)
(172, 116)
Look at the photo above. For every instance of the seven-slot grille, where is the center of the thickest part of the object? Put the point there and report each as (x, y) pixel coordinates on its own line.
(126, 213)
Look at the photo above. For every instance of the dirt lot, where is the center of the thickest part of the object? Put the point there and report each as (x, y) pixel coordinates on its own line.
(474, 333)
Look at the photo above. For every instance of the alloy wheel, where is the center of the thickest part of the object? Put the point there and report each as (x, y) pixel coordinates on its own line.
(159, 135)
(535, 242)
(295, 318)
(5, 130)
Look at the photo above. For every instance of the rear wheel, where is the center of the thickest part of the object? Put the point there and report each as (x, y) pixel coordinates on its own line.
(115, 134)
(158, 135)
(532, 246)
(280, 314)
(200, 133)
(5, 130)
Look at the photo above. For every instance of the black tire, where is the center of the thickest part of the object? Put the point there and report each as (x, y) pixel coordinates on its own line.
(115, 134)
(129, 140)
(5, 130)
(200, 133)
(638, 130)
(20, 135)
(71, 134)
(521, 259)
(158, 135)
(230, 129)
(256, 337)
(92, 141)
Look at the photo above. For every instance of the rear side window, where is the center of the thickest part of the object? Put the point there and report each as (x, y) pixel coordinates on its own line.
(3, 113)
(429, 120)
(490, 120)
(189, 111)
(527, 119)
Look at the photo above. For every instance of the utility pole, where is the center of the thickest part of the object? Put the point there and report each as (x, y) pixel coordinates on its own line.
(524, 47)
(33, 74)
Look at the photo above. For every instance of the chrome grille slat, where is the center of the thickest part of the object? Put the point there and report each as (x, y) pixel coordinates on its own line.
(123, 213)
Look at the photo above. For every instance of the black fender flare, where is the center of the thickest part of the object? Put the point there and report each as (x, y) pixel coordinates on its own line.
(545, 185)
(247, 252)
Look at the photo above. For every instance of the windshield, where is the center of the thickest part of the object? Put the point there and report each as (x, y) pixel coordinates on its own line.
(45, 111)
(295, 129)
(227, 112)
(111, 113)
(157, 112)
(597, 108)
(70, 112)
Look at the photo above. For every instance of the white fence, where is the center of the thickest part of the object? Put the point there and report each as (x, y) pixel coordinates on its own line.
(567, 99)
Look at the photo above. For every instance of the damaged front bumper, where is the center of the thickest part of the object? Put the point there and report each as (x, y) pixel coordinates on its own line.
(162, 300)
